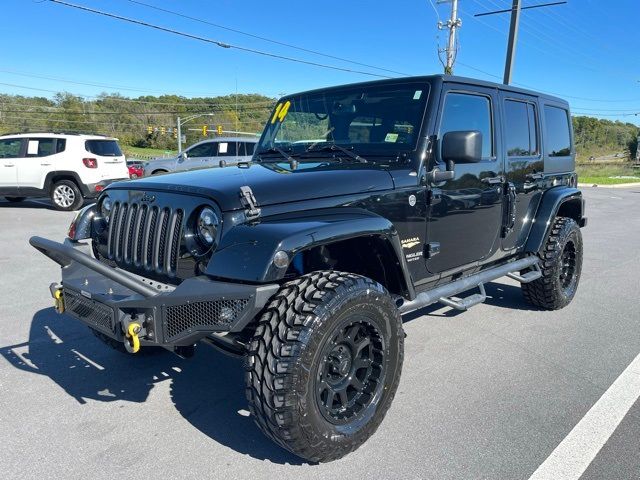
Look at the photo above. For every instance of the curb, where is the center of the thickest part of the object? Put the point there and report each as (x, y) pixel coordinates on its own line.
(617, 185)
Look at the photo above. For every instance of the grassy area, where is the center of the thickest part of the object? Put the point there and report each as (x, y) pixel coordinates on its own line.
(130, 151)
(607, 174)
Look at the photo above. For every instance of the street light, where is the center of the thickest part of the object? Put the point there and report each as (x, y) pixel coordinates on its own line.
(185, 120)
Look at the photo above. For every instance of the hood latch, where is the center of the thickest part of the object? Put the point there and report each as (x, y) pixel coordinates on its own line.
(249, 203)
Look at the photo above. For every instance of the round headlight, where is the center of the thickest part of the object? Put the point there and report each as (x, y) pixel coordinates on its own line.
(208, 226)
(105, 208)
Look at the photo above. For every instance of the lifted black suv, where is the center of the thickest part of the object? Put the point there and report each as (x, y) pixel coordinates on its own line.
(362, 202)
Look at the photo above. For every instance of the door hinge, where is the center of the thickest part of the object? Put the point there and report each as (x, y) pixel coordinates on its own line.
(434, 195)
(249, 203)
(431, 249)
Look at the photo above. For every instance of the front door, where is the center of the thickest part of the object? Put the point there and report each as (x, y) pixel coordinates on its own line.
(10, 149)
(198, 156)
(466, 212)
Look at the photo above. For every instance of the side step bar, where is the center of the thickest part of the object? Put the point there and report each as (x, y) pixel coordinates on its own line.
(443, 292)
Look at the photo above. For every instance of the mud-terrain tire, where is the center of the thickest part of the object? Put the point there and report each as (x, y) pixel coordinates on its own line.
(15, 199)
(320, 333)
(561, 266)
(66, 196)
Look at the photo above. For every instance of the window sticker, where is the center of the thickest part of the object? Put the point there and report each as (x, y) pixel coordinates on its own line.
(223, 147)
(417, 95)
(281, 111)
(391, 137)
(32, 147)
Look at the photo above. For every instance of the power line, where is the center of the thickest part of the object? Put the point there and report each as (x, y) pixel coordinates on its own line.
(94, 84)
(214, 42)
(276, 42)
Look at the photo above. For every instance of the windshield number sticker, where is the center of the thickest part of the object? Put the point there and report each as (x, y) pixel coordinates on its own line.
(417, 95)
(281, 111)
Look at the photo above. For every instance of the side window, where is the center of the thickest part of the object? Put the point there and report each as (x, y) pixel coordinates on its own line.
(557, 137)
(464, 111)
(204, 150)
(521, 134)
(41, 147)
(227, 149)
(250, 147)
(10, 148)
(61, 145)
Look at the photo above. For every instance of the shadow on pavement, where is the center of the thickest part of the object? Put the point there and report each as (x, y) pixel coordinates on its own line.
(207, 390)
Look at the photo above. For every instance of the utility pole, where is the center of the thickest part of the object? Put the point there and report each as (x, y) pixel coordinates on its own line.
(452, 25)
(515, 10)
(513, 38)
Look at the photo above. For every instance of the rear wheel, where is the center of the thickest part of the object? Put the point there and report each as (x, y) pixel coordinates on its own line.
(66, 195)
(561, 266)
(15, 199)
(324, 364)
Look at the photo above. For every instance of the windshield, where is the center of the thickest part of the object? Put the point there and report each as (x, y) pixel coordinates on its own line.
(384, 118)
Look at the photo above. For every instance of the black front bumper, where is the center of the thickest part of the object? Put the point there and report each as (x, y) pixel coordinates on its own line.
(109, 299)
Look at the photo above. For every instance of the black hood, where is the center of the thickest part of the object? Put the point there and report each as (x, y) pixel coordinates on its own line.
(271, 183)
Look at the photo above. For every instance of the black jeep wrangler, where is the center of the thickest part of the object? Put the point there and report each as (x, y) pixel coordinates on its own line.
(361, 203)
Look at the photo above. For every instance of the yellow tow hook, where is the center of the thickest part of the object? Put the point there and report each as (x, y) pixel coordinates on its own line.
(132, 342)
(58, 301)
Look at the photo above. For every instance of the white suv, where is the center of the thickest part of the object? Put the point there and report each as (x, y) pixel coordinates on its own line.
(65, 167)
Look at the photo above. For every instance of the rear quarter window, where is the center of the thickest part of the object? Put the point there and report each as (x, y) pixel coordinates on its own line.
(105, 148)
(558, 138)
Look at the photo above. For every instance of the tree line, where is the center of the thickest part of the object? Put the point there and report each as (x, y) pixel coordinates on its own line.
(146, 121)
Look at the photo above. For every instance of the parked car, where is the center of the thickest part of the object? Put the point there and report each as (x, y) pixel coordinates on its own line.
(304, 260)
(136, 168)
(65, 167)
(205, 154)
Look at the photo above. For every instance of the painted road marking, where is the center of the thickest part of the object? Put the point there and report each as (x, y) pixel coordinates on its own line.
(573, 455)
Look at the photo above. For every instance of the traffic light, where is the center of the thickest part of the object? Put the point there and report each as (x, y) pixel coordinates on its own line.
(163, 130)
(204, 130)
(219, 129)
(149, 130)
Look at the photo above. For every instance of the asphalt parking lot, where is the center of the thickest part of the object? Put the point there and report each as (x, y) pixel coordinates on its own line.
(489, 393)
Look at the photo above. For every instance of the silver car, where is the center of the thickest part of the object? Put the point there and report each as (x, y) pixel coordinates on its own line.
(205, 154)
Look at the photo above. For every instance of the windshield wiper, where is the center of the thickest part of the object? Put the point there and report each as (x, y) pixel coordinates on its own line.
(275, 149)
(333, 147)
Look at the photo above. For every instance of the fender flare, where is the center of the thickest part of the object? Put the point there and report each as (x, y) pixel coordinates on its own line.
(246, 251)
(561, 200)
(49, 179)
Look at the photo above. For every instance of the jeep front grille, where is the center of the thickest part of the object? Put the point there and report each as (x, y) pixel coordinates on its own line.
(189, 317)
(145, 236)
(95, 313)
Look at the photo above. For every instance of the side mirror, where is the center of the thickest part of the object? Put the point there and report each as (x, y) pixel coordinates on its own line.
(182, 157)
(462, 146)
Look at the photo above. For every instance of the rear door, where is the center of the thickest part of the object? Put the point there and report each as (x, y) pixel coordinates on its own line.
(227, 151)
(523, 164)
(10, 149)
(111, 161)
(39, 158)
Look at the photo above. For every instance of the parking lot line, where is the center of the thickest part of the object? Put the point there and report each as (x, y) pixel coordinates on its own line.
(573, 455)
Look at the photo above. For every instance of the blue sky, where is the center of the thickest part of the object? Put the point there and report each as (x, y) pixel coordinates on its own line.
(587, 50)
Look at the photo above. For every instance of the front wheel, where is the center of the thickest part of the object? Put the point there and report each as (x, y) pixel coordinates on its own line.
(66, 195)
(324, 364)
(561, 266)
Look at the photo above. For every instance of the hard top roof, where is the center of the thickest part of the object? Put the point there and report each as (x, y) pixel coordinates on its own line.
(434, 79)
